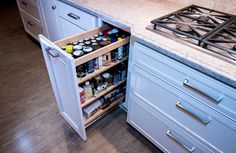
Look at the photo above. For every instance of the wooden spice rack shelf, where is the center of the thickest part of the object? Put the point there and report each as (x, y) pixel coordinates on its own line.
(97, 72)
(105, 91)
(101, 51)
(100, 112)
(98, 52)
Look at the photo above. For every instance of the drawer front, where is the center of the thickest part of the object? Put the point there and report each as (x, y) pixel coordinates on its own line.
(31, 25)
(204, 123)
(209, 91)
(69, 29)
(77, 17)
(29, 7)
(160, 131)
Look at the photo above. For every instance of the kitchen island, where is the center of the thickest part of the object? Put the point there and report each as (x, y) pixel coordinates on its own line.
(179, 96)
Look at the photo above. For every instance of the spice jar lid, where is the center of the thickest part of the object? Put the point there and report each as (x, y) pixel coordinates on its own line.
(77, 47)
(81, 44)
(87, 49)
(94, 41)
(81, 40)
(74, 42)
(87, 42)
(95, 35)
(106, 75)
(78, 53)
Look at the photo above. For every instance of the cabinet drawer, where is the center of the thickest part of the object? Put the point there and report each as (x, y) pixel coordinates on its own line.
(203, 122)
(77, 17)
(212, 93)
(29, 7)
(160, 131)
(32, 26)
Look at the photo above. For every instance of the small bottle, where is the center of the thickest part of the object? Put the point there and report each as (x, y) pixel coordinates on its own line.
(100, 63)
(90, 66)
(81, 70)
(120, 51)
(88, 92)
(123, 73)
(96, 66)
(116, 76)
(81, 95)
(114, 55)
(106, 59)
(69, 48)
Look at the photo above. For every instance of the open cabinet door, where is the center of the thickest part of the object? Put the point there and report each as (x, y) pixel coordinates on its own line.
(62, 74)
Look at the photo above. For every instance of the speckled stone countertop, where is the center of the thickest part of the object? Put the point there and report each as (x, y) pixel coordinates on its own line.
(135, 16)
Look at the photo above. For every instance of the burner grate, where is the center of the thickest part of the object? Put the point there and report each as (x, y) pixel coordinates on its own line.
(223, 39)
(194, 22)
(210, 29)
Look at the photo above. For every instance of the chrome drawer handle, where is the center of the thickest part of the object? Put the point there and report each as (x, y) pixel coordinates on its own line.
(189, 109)
(72, 15)
(217, 100)
(187, 145)
(24, 3)
(29, 23)
(51, 52)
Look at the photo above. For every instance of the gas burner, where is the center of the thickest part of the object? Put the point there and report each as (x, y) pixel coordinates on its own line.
(202, 19)
(183, 28)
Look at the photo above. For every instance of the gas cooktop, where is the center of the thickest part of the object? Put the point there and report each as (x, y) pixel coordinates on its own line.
(210, 29)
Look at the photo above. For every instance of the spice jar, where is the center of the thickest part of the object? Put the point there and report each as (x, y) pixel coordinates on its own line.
(106, 59)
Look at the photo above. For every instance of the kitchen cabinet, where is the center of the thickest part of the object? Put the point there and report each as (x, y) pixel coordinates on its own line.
(61, 67)
(50, 18)
(73, 21)
(31, 17)
(198, 106)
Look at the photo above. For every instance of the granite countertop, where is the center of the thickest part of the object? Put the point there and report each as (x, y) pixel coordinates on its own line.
(135, 16)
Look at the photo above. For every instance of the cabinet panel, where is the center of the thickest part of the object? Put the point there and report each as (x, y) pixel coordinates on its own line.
(69, 29)
(63, 79)
(160, 131)
(210, 92)
(62, 72)
(195, 117)
(50, 18)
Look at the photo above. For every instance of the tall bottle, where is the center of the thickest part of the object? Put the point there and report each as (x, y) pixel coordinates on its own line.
(88, 90)
(120, 51)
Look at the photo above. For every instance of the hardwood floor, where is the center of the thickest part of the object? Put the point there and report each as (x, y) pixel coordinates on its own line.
(29, 119)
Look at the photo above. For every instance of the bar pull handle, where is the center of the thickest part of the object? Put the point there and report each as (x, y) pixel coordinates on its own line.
(187, 145)
(72, 15)
(54, 7)
(196, 113)
(29, 23)
(24, 3)
(51, 52)
(217, 100)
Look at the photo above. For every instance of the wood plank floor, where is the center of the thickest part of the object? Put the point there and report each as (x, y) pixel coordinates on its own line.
(29, 119)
